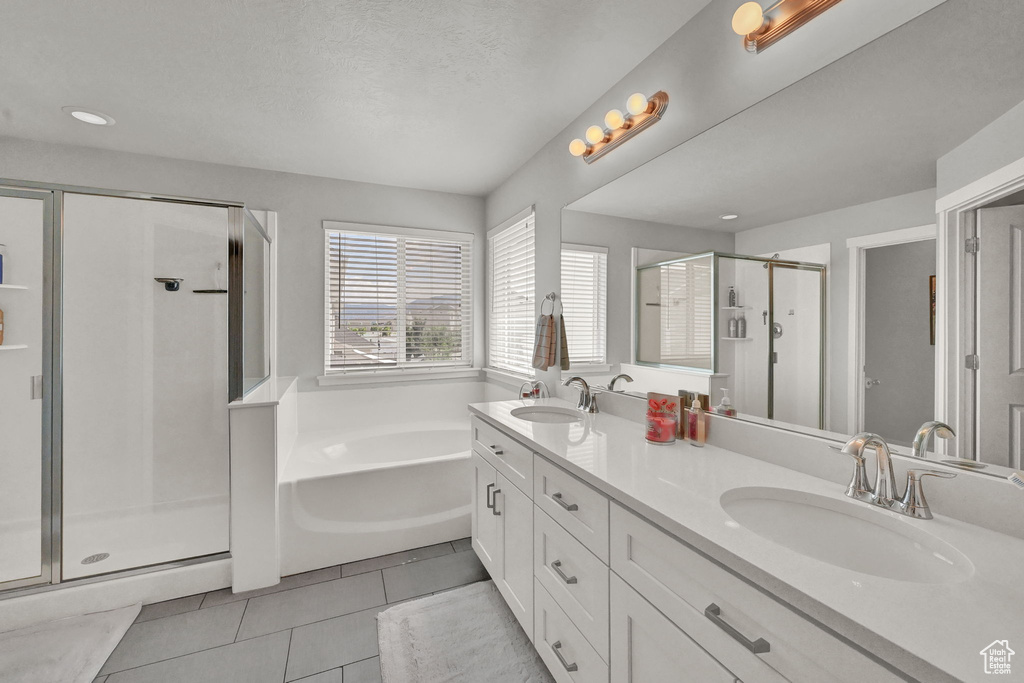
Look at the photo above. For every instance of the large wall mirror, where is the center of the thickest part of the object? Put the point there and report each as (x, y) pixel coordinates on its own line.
(830, 259)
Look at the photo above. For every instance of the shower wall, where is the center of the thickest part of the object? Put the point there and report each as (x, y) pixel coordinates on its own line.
(145, 440)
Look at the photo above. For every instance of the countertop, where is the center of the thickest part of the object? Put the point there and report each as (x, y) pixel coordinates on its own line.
(925, 630)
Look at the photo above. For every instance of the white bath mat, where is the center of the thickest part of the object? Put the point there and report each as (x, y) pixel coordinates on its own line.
(466, 635)
(70, 650)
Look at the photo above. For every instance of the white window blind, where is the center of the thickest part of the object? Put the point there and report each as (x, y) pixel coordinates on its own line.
(585, 302)
(510, 287)
(396, 298)
(686, 315)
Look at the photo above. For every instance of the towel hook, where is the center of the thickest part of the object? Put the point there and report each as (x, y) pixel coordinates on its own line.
(551, 296)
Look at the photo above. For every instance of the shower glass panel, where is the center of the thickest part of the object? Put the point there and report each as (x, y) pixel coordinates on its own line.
(24, 452)
(795, 314)
(255, 303)
(145, 383)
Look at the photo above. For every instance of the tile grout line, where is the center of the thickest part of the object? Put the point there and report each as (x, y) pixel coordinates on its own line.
(384, 585)
(291, 635)
(187, 654)
(318, 621)
(239, 629)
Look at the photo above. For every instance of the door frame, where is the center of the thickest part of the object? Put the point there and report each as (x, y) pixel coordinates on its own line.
(956, 321)
(855, 389)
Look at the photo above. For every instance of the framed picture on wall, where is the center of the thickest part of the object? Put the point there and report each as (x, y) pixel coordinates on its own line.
(931, 305)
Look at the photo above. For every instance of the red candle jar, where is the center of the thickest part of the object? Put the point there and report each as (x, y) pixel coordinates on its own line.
(661, 427)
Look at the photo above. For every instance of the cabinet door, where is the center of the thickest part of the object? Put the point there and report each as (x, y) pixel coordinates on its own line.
(485, 522)
(515, 579)
(648, 648)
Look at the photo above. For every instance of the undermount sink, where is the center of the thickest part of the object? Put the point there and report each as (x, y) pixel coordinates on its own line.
(548, 414)
(847, 534)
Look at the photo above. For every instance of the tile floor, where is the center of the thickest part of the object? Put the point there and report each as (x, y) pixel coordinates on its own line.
(317, 627)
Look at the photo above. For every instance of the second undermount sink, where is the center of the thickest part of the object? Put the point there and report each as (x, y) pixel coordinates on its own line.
(847, 534)
(547, 414)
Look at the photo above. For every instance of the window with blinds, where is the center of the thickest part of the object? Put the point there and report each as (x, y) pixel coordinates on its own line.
(686, 315)
(585, 303)
(510, 298)
(396, 298)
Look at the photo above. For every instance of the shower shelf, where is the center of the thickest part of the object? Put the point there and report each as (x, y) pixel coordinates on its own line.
(737, 308)
(737, 339)
(12, 347)
(13, 287)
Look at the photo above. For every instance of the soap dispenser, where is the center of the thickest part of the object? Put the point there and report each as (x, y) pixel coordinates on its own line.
(724, 406)
(696, 424)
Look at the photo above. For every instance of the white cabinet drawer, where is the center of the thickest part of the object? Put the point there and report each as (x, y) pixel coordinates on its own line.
(507, 455)
(574, 577)
(689, 589)
(573, 504)
(648, 648)
(568, 655)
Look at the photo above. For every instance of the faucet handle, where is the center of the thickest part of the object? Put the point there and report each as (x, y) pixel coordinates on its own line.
(859, 487)
(914, 502)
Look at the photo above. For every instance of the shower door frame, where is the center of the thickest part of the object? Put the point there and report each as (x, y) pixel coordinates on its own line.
(52, 452)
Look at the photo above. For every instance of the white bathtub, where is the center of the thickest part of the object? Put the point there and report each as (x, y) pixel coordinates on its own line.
(347, 496)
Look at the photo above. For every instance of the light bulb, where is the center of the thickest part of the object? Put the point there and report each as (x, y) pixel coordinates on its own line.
(577, 148)
(595, 134)
(636, 104)
(614, 119)
(749, 18)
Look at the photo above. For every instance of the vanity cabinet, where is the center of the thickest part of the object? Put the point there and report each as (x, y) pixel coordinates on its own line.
(605, 595)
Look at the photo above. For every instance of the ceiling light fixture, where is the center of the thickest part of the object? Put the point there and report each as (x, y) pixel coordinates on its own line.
(643, 113)
(729, 216)
(760, 31)
(89, 116)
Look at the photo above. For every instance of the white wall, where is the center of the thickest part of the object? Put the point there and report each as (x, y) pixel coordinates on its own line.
(302, 203)
(894, 213)
(994, 146)
(621, 235)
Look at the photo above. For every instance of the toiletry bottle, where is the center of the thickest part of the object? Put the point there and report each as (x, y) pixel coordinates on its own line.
(3, 261)
(741, 327)
(724, 406)
(698, 427)
(733, 328)
(732, 297)
(1, 327)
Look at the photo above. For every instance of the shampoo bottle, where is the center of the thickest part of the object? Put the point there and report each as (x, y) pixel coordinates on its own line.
(741, 327)
(697, 424)
(733, 328)
(732, 297)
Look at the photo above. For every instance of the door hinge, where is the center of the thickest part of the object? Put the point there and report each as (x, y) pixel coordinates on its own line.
(972, 244)
(972, 362)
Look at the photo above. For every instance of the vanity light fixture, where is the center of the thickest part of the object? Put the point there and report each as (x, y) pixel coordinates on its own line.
(760, 31)
(618, 127)
(89, 116)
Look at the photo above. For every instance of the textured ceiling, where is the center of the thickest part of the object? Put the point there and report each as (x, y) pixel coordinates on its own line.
(870, 125)
(435, 94)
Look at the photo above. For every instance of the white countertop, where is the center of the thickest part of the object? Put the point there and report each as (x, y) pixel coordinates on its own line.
(922, 629)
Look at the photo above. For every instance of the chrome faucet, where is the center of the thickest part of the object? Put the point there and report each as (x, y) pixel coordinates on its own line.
(616, 378)
(884, 492)
(586, 403)
(940, 429)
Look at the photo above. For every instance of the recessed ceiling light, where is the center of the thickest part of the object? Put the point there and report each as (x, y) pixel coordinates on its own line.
(87, 116)
(729, 216)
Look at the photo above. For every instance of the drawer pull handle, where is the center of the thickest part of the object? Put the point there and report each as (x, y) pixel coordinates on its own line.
(494, 507)
(496, 450)
(557, 567)
(571, 507)
(557, 649)
(490, 505)
(714, 613)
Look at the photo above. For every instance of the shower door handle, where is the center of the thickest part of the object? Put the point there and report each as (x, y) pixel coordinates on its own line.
(37, 387)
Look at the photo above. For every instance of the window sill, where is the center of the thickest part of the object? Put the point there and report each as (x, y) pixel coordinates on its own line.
(503, 377)
(589, 369)
(397, 377)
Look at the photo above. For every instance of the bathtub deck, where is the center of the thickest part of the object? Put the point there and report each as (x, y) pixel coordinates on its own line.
(321, 623)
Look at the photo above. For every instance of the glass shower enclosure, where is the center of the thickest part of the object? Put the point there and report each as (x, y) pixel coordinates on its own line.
(119, 359)
(755, 324)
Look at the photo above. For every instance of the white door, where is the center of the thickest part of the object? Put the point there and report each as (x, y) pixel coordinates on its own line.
(1001, 336)
(648, 648)
(515, 579)
(22, 479)
(485, 522)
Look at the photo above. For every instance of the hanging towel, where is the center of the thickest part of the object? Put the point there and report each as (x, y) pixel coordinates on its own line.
(563, 344)
(544, 352)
